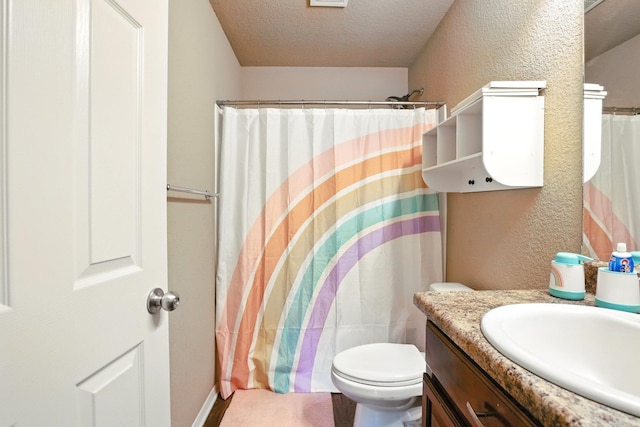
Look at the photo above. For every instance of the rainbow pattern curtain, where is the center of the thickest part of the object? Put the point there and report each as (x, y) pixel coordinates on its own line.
(612, 196)
(326, 230)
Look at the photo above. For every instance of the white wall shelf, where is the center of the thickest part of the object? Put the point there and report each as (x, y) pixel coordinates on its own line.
(594, 95)
(493, 140)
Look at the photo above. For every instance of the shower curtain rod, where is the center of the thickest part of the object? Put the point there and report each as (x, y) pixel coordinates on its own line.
(632, 111)
(204, 193)
(257, 102)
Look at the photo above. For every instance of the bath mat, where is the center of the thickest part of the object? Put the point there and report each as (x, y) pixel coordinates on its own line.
(264, 408)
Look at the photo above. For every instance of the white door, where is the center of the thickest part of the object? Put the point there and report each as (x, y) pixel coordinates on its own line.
(83, 215)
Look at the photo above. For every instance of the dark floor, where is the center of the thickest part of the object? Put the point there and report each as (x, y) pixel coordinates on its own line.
(344, 410)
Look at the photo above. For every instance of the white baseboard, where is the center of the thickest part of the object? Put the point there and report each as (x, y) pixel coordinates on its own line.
(206, 408)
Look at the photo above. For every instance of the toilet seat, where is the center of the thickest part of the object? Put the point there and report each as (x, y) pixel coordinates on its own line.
(381, 364)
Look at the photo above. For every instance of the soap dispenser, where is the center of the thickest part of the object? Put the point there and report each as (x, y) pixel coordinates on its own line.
(567, 276)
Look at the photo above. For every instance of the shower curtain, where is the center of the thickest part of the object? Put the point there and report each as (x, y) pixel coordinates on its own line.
(326, 230)
(612, 196)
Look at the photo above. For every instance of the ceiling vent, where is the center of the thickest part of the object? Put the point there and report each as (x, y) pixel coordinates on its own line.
(329, 3)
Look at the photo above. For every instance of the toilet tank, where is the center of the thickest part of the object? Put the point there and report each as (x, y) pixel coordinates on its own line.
(448, 286)
(443, 287)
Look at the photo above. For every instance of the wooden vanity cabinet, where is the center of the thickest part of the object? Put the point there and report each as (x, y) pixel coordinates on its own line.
(437, 410)
(458, 393)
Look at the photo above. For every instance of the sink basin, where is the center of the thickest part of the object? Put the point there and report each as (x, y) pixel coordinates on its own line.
(591, 351)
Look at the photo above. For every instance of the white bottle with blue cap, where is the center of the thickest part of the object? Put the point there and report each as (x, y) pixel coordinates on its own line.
(621, 261)
(567, 276)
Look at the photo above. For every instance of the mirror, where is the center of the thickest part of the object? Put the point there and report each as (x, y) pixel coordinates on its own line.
(612, 58)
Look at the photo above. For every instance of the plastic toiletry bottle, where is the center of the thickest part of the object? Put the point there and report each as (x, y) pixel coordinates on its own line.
(621, 260)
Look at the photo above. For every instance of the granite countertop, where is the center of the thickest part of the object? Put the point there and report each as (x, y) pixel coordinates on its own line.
(458, 315)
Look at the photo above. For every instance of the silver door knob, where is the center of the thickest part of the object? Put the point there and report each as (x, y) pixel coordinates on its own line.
(158, 300)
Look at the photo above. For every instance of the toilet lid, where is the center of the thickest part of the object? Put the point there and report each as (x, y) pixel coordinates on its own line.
(381, 364)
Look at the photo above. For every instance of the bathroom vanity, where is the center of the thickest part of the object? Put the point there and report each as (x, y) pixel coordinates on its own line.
(458, 393)
(470, 383)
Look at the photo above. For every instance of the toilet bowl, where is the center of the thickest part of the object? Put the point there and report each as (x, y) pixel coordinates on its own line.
(384, 379)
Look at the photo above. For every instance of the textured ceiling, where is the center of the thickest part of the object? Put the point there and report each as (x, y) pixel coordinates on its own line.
(373, 33)
(367, 33)
(610, 23)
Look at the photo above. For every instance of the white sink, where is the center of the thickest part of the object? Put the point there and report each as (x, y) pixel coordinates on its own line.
(591, 351)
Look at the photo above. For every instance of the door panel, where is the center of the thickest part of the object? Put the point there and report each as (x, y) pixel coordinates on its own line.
(115, 88)
(83, 213)
(111, 245)
(110, 397)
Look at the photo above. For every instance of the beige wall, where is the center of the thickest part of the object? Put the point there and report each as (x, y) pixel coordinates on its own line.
(617, 70)
(320, 83)
(202, 68)
(496, 240)
(506, 239)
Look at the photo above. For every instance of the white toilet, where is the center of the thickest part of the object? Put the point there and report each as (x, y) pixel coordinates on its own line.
(384, 379)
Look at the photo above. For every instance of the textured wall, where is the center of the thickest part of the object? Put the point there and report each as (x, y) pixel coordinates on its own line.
(202, 68)
(506, 239)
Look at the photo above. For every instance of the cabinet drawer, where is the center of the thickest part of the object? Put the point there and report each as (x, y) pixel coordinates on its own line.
(468, 387)
(436, 410)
